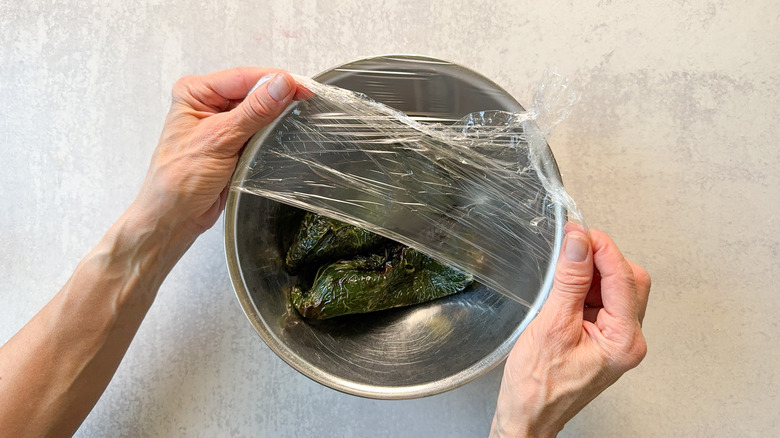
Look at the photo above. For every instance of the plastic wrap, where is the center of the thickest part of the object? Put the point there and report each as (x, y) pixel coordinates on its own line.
(482, 194)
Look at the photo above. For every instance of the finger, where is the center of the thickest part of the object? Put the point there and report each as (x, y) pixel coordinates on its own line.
(214, 92)
(573, 275)
(226, 89)
(643, 283)
(618, 290)
(262, 106)
(301, 93)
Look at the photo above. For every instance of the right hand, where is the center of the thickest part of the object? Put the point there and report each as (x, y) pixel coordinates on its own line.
(586, 336)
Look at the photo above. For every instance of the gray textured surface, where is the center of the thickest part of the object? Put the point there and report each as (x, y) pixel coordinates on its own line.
(673, 151)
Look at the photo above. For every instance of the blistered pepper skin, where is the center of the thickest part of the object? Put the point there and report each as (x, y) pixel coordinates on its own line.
(320, 239)
(400, 276)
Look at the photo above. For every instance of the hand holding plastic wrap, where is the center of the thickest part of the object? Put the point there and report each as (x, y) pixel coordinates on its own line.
(482, 195)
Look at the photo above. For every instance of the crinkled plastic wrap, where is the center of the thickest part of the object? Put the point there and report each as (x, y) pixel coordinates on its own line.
(482, 194)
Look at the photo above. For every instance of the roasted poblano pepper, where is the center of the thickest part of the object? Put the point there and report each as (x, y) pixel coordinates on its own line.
(321, 239)
(400, 276)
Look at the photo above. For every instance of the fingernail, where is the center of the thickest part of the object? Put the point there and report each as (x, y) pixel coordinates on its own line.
(279, 87)
(262, 80)
(576, 247)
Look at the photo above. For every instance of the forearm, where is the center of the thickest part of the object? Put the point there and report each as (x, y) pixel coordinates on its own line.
(55, 368)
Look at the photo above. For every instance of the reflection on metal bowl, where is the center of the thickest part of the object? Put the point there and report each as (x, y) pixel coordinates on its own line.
(400, 353)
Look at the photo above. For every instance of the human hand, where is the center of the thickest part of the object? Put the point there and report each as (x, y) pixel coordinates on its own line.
(55, 368)
(210, 119)
(586, 336)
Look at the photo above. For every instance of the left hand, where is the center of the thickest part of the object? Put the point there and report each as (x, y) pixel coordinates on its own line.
(210, 119)
(588, 333)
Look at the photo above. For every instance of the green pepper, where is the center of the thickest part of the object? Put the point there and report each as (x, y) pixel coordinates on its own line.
(400, 277)
(320, 239)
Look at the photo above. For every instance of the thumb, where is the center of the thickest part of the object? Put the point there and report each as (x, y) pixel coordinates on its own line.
(573, 276)
(267, 100)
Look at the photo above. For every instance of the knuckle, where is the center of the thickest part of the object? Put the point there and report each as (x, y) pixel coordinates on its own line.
(636, 354)
(557, 334)
(626, 277)
(220, 138)
(257, 109)
(567, 279)
(641, 349)
(637, 349)
(643, 279)
(632, 354)
(208, 141)
(182, 86)
(550, 333)
(219, 128)
(624, 268)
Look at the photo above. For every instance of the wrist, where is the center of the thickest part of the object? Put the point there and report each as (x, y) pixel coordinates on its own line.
(159, 231)
(163, 212)
(524, 409)
(140, 249)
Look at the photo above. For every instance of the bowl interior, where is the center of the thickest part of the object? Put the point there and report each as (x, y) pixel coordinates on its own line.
(399, 353)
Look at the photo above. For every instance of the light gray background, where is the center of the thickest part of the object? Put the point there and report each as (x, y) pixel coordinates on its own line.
(673, 150)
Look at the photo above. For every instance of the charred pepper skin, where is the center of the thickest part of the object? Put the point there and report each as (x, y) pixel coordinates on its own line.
(400, 277)
(321, 239)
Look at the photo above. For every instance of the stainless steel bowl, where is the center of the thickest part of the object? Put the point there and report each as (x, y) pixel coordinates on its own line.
(395, 354)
